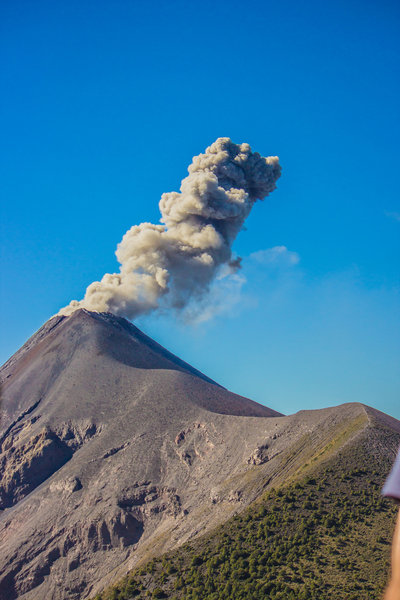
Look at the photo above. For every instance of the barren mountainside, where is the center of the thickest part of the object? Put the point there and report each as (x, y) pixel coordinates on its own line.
(114, 451)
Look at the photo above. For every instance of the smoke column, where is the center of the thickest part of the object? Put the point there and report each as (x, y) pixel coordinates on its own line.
(173, 263)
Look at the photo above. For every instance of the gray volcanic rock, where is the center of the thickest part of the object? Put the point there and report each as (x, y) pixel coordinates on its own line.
(25, 467)
(114, 450)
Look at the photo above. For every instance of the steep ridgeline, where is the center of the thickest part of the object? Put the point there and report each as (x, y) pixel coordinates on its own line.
(324, 534)
(115, 452)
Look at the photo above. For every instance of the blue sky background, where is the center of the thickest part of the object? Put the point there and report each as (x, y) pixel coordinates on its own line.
(105, 103)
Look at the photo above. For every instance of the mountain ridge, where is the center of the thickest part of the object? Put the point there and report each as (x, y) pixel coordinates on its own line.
(113, 453)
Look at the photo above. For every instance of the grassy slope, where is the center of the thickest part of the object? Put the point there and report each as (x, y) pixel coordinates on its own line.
(325, 536)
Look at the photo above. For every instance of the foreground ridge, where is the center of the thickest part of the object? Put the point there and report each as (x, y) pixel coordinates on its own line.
(324, 535)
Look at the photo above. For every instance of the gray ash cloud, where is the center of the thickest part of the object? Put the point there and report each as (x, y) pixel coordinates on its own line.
(175, 262)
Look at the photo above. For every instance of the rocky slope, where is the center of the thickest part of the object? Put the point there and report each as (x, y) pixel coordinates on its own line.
(113, 450)
(322, 535)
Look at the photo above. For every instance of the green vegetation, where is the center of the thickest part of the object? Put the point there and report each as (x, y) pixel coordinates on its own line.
(326, 536)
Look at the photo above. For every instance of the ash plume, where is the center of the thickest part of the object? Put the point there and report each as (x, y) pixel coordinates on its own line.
(175, 262)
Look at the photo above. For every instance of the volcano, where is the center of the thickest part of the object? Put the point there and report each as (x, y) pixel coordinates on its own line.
(113, 450)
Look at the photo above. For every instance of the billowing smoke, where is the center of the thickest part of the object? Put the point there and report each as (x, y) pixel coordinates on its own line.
(174, 263)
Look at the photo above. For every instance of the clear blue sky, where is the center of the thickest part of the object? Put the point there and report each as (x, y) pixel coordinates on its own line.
(103, 105)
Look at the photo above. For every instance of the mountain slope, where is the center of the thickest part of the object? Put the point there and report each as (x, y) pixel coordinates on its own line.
(107, 440)
(323, 536)
(87, 343)
(114, 451)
